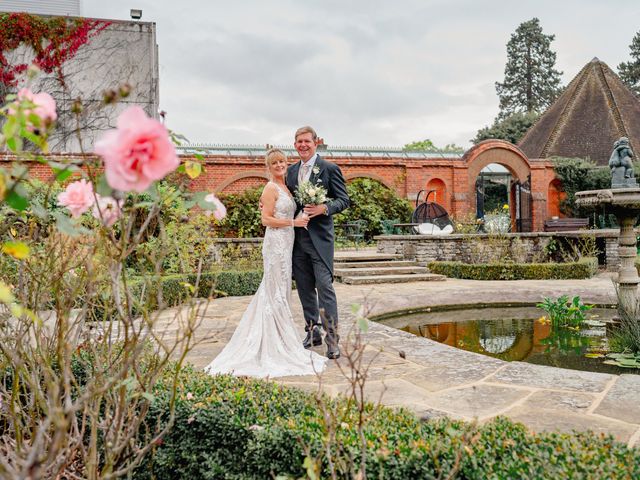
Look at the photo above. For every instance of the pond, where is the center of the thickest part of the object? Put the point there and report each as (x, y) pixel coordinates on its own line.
(516, 333)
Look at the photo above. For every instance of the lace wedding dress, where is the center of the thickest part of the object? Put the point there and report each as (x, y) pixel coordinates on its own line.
(266, 342)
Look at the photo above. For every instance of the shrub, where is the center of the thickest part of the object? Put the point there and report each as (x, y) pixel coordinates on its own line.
(176, 289)
(373, 202)
(241, 428)
(185, 243)
(243, 215)
(577, 174)
(584, 268)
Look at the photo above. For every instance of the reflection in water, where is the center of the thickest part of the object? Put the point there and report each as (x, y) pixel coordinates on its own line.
(515, 334)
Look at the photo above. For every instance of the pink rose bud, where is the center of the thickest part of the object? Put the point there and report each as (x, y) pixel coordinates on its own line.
(221, 211)
(44, 106)
(107, 210)
(77, 197)
(137, 153)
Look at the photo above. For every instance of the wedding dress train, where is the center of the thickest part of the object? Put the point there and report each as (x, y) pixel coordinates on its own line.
(266, 342)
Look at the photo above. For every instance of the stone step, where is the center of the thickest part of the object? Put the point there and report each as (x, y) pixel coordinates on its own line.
(412, 277)
(365, 257)
(385, 263)
(369, 272)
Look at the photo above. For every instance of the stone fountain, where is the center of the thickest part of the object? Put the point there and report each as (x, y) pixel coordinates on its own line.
(623, 200)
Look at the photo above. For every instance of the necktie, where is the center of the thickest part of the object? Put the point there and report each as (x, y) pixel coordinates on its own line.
(303, 173)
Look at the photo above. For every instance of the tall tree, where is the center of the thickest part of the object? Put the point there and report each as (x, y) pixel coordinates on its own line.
(531, 82)
(510, 128)
(630, 71)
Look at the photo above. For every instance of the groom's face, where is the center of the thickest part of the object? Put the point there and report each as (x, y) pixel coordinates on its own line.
(305, 146)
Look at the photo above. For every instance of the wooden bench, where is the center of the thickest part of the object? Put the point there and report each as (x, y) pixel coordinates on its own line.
(565, 224)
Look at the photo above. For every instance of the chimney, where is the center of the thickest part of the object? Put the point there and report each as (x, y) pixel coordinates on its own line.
(321, 145)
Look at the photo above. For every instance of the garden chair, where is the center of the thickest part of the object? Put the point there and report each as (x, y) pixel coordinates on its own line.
(388, 226)
(354, 231)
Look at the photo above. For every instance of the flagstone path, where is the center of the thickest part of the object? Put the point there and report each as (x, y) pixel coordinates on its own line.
(433, 379)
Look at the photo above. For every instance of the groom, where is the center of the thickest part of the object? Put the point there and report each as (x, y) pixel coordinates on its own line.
(313, 246)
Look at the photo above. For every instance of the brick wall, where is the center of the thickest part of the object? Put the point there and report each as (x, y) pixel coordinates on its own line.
(233, 173)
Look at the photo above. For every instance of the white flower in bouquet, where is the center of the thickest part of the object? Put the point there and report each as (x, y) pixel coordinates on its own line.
(309, 194)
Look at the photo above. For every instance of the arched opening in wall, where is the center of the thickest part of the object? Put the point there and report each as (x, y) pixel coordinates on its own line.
(439, 193)
(555, 197)
(245, 183)
(494, 197)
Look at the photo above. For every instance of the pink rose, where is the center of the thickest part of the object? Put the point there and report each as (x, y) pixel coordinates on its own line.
(137, 153)
(77, 197)
(45, 106)
(107, 210)
(221, 211)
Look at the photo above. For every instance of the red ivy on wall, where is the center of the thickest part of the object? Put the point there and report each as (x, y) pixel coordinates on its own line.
(54, 41)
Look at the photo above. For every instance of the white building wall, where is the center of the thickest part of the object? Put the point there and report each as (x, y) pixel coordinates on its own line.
(42, 7)
(124, 52)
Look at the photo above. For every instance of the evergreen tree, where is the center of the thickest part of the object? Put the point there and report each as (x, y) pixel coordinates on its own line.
(511, 128)
(630, 71)
(531, 83)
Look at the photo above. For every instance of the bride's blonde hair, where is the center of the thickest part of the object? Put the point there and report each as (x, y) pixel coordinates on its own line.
(274, 154)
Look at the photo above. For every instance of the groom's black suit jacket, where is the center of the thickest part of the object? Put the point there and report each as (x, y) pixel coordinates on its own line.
(321, 227)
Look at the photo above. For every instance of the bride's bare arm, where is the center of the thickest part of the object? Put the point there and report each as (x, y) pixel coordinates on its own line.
(268, 202)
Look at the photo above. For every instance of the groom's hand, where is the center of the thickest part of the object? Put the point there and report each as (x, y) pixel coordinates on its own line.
(315, 210)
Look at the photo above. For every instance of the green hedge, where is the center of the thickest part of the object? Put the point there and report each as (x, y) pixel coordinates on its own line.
(584, 268)
(177, 289)
(231, 428)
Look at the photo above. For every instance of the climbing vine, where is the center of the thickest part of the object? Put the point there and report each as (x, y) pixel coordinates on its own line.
(53, 40)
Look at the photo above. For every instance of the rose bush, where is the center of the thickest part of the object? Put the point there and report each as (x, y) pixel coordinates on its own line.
(80, 348)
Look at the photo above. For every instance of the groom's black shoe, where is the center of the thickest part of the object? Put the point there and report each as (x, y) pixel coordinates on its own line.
(333, 352)
(314, 337)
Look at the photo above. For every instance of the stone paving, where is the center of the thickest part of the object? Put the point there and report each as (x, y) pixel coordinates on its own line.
(433, 379)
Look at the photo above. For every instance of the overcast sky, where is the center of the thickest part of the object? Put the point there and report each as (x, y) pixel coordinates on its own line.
(362, 72)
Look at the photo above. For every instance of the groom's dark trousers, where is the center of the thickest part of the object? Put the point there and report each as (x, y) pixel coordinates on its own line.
(313, 275)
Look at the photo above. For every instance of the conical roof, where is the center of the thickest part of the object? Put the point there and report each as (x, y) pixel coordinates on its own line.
(593, 112)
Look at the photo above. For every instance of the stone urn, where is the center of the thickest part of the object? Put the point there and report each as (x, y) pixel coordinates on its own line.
(624, 203)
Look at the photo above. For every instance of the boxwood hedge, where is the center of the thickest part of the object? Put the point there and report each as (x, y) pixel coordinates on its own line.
(584, 268)
(173, 290)
(239, 428)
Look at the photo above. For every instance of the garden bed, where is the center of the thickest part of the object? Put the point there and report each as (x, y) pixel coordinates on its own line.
(227, 427)
(584, 268)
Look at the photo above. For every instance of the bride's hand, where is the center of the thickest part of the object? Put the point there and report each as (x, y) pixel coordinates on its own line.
(301, 221)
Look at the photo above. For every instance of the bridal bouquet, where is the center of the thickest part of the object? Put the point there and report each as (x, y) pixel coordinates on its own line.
(309, 194)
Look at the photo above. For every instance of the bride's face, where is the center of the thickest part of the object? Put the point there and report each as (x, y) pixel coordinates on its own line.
(278, 167)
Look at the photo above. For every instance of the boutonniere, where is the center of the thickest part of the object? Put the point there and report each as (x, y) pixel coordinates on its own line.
(315, 170)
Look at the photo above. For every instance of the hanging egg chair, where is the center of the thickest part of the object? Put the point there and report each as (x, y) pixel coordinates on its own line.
(432, 217)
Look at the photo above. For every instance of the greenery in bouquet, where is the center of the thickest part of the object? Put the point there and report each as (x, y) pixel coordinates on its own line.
(309, 193)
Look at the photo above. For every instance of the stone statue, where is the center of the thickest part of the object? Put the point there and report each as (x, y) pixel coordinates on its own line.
(621, 165)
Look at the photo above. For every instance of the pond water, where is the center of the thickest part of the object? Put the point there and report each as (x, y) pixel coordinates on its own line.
(517, 334)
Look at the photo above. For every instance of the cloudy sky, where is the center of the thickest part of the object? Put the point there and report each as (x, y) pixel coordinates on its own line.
(362, 72)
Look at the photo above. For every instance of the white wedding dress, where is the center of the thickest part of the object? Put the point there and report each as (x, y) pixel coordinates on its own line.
(266, 342)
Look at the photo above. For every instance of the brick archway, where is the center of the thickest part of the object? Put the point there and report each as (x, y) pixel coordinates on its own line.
(238, 177)
(372, 176)
(496, 151)
(440, 192)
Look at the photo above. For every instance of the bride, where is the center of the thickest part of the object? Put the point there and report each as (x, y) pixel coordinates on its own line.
(266, 342)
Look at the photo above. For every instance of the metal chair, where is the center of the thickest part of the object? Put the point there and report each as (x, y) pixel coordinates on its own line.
(354, 231)
(388, 226)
